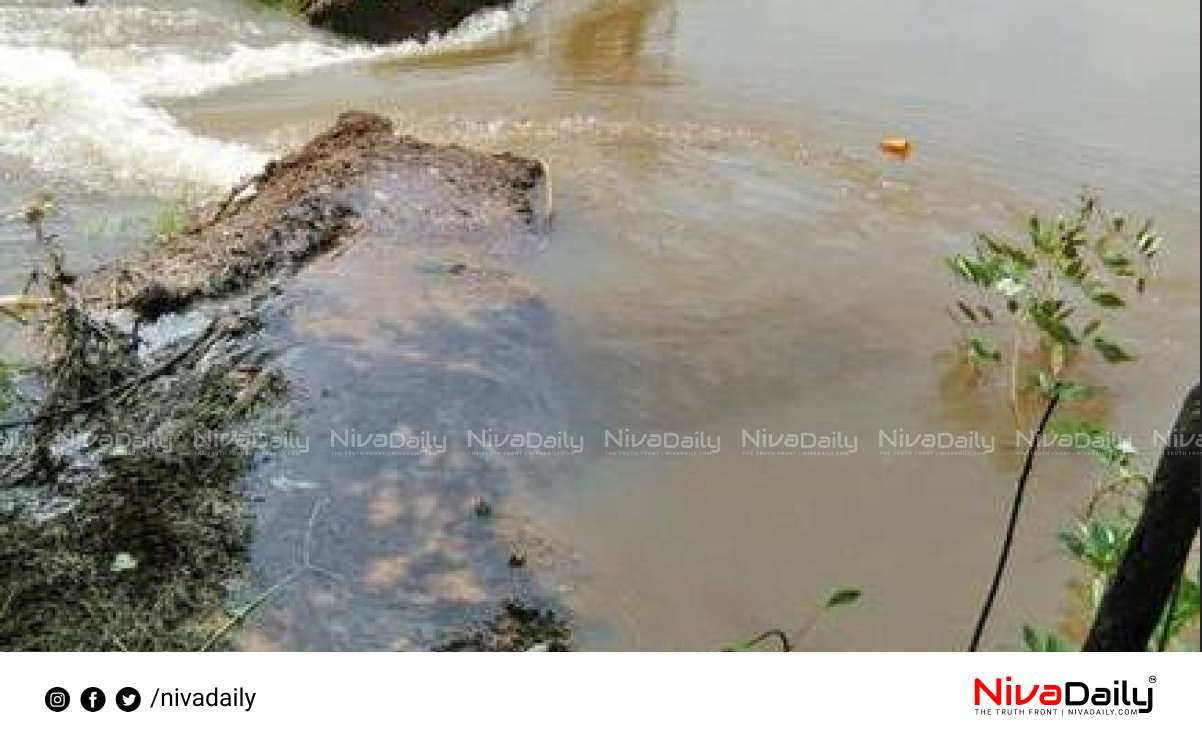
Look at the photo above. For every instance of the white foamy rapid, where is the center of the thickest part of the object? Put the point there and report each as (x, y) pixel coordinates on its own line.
(78, 86)
(62, 117)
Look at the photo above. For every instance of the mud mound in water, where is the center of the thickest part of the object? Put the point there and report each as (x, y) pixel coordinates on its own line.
(302, 207)
(383, 21)
(517, 627)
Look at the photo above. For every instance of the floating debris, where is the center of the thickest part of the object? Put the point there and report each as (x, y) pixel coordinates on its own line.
(896, 146)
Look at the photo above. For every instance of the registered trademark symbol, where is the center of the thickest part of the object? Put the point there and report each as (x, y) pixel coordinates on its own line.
(1151, 679)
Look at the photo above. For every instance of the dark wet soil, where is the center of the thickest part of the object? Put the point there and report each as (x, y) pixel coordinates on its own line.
(515, 627)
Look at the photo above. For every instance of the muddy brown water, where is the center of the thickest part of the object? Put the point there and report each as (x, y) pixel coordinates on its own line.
(729, 252)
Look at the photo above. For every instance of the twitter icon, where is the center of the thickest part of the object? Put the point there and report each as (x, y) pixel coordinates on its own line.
(128, 699)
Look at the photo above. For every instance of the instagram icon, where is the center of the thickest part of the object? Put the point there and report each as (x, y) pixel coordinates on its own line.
(57, 699)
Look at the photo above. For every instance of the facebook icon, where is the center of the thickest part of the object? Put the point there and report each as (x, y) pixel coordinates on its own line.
(92, 699)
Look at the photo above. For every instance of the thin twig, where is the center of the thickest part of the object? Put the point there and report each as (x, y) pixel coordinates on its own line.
(1008, 542)
(307, 544)
(780, 635)
(240, 616)
(1015, 358)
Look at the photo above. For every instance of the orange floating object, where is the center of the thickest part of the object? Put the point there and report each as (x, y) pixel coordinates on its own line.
(896, 146)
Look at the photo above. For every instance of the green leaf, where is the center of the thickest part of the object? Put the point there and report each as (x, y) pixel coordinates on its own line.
(1044, 316)
(962, 266)
(984, 272)
(1075, 270)
(1147, 241)
(981, 352)
(1112, 352)
(1072, 240)
(843, 597)
(1115, 258)
(1073, 543)
(1054, 644)
(1003, 249)
(1039, 238)
(1031, 638)
(1069, 390)
(1187, 607)
(1103, 297)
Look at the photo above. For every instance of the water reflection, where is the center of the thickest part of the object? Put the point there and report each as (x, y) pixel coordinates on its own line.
(622, 42)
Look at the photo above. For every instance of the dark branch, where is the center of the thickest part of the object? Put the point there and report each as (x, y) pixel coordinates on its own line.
(1008, 542)
(1159, 546)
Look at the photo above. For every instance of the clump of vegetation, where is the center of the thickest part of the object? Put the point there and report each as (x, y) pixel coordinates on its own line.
(1052, 292)
(173, 218)
(121, 511)
(1098, 542)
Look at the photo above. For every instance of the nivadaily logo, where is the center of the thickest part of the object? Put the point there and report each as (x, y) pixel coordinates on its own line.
(1069, 697)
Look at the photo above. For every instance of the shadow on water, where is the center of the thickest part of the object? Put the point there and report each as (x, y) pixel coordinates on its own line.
(415, 528)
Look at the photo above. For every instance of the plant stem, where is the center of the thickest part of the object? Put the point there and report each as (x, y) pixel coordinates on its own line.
(1014, 360)
(1008, 542)
(1163, 643)
(239, 616)
(785, 645)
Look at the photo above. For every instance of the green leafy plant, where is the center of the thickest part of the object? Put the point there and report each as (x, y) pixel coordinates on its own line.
(1099, 545)
(1099, 542)
(1099, 539)
(1050, 291)
(1118, 472)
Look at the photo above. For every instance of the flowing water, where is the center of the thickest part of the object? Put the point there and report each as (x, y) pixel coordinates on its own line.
(730, 252)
